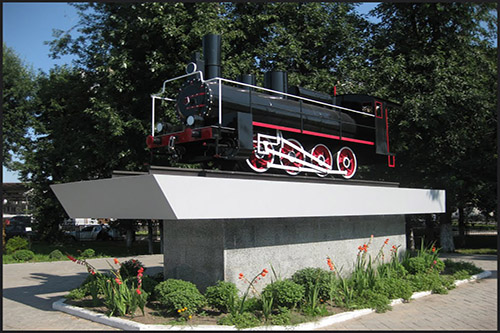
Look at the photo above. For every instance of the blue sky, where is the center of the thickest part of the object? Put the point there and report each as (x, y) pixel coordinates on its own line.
(26, 26)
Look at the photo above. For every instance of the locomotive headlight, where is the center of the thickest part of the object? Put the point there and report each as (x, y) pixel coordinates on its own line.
(190, 121)
(159, 127)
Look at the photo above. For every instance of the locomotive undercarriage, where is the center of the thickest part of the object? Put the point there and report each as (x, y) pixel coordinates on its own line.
(216, 147)
(288, 154)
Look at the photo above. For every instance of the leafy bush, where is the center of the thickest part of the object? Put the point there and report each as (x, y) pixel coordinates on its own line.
(76, 294)
(176, 294)
(130, 267)
(243, 320)
(282, 318)
(57, 255)
(222, 295)
(149, 284)
(285, 293)
(88, 253)
(394, 288)
(16, 243)
(369, 298)
(310, 277)
(23, 255)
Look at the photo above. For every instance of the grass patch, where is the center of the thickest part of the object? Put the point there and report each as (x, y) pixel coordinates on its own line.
(476, 251)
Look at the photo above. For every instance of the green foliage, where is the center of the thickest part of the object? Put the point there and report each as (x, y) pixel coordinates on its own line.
(394, 288)
(174, 294)
(88, 253)
(16, 243)
(370, 298)
(284, 293)
(281, 318)
(222, 296)
(76, 294)
(23, 255)
(129, 268)
(240, 320)
(57, 255)
(453, 267)
(311, 277)
(149, 284)
(18, 90)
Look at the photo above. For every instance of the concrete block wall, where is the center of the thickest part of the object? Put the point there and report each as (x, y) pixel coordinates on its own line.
(205, 251)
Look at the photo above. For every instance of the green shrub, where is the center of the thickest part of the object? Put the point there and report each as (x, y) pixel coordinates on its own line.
(416, 265)
(23, 255)
(222, 295)
(369, 298)
(425, 282)
(176, 294)
(282, 318)
(243, 320)
(149, 284)
(16, 243)
(285, 293)
(88, 253)
(394, 288)
(57, 255)
(130, 267)
(76, 294)
(309, 277)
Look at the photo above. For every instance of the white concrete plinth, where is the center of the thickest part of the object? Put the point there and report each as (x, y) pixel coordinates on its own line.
(182, 197)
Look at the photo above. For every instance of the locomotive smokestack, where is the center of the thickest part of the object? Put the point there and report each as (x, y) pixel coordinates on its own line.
(248, 79)
(211, 53)
(276, 80)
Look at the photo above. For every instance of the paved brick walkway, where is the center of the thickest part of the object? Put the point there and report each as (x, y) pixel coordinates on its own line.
(470, 306)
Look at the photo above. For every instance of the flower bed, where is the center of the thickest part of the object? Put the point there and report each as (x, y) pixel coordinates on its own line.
(311, 293)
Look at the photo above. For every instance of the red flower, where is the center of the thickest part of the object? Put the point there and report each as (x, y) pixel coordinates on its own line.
(118, 281)
(116, 261)
(386, 241)
(433, 249)
(138, 291)
(434, 262)
(240, 276)
(141, 270)
(71, 258)
(93, 272)
(265, 270)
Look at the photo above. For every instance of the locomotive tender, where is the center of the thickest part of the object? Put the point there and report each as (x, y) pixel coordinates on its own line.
(236, 124)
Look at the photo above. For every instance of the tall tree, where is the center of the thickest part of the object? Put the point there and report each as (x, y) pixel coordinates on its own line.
(18, 92)
(438, 61)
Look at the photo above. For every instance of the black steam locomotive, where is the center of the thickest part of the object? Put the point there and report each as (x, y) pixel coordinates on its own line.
(236, 124)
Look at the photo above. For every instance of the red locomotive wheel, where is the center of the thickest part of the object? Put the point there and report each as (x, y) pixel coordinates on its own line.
(324, 154)
(260, 162)
(292, 152)
(346, 161)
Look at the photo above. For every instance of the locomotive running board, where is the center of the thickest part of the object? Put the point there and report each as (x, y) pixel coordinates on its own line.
(183, 197)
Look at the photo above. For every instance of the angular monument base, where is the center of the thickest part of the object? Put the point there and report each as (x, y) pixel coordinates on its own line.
(205, 251)
(220, 224)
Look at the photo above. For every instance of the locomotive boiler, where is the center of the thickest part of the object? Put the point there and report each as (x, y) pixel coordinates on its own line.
(234, 124)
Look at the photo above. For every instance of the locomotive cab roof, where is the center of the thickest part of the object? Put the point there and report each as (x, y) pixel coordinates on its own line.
(362, 102)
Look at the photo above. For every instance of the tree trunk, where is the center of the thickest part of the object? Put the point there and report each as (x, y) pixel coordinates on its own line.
(129, 238)
(446, 234)
(429, 229)
(150, 236)
(461, 225)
